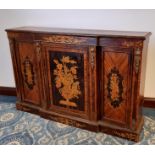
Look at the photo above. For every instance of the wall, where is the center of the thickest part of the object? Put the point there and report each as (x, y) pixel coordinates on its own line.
(134, 20)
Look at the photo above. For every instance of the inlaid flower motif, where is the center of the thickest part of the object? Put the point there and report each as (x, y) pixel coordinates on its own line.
(66, 80)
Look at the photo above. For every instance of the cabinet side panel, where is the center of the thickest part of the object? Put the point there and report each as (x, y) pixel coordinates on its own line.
(15, 67)
(29, 71)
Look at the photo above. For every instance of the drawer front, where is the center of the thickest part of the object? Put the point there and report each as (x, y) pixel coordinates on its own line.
(116, 85)
(29, 69)
(68, 79)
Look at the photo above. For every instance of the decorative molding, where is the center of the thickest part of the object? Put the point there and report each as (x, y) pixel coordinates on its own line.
(64, 39)
(137, 60)
(38, 50)
(115, 87)
(92, 57)
(9, 91)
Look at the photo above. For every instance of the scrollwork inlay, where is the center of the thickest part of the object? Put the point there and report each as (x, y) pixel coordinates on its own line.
(64, 39)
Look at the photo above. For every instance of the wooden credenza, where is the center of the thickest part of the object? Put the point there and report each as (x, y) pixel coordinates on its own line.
(89, 79)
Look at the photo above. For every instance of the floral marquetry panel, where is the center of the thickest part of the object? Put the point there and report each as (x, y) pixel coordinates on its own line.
(67, 70)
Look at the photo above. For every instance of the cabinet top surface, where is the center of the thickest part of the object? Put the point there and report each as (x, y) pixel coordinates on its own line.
(81, 32)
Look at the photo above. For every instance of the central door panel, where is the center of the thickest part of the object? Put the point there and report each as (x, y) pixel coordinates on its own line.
(68, 79)
(67, 74)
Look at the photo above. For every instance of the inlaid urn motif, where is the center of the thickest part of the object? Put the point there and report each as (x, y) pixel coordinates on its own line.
(66, 80)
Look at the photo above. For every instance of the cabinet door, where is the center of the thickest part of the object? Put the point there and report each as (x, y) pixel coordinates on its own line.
(29, 69)
(116, 85)
(68, 79)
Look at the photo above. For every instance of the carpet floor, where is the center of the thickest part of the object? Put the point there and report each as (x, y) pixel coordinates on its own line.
(23, 128)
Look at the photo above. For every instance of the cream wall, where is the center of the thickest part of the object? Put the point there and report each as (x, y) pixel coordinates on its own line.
(135, 20)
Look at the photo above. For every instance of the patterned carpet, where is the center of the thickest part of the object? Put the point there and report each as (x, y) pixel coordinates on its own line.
(22, 128)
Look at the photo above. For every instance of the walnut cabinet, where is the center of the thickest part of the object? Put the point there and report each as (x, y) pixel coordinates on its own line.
(89, 79)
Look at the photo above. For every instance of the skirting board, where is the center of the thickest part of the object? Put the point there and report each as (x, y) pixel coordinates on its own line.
(149, 102)
(11, 91)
